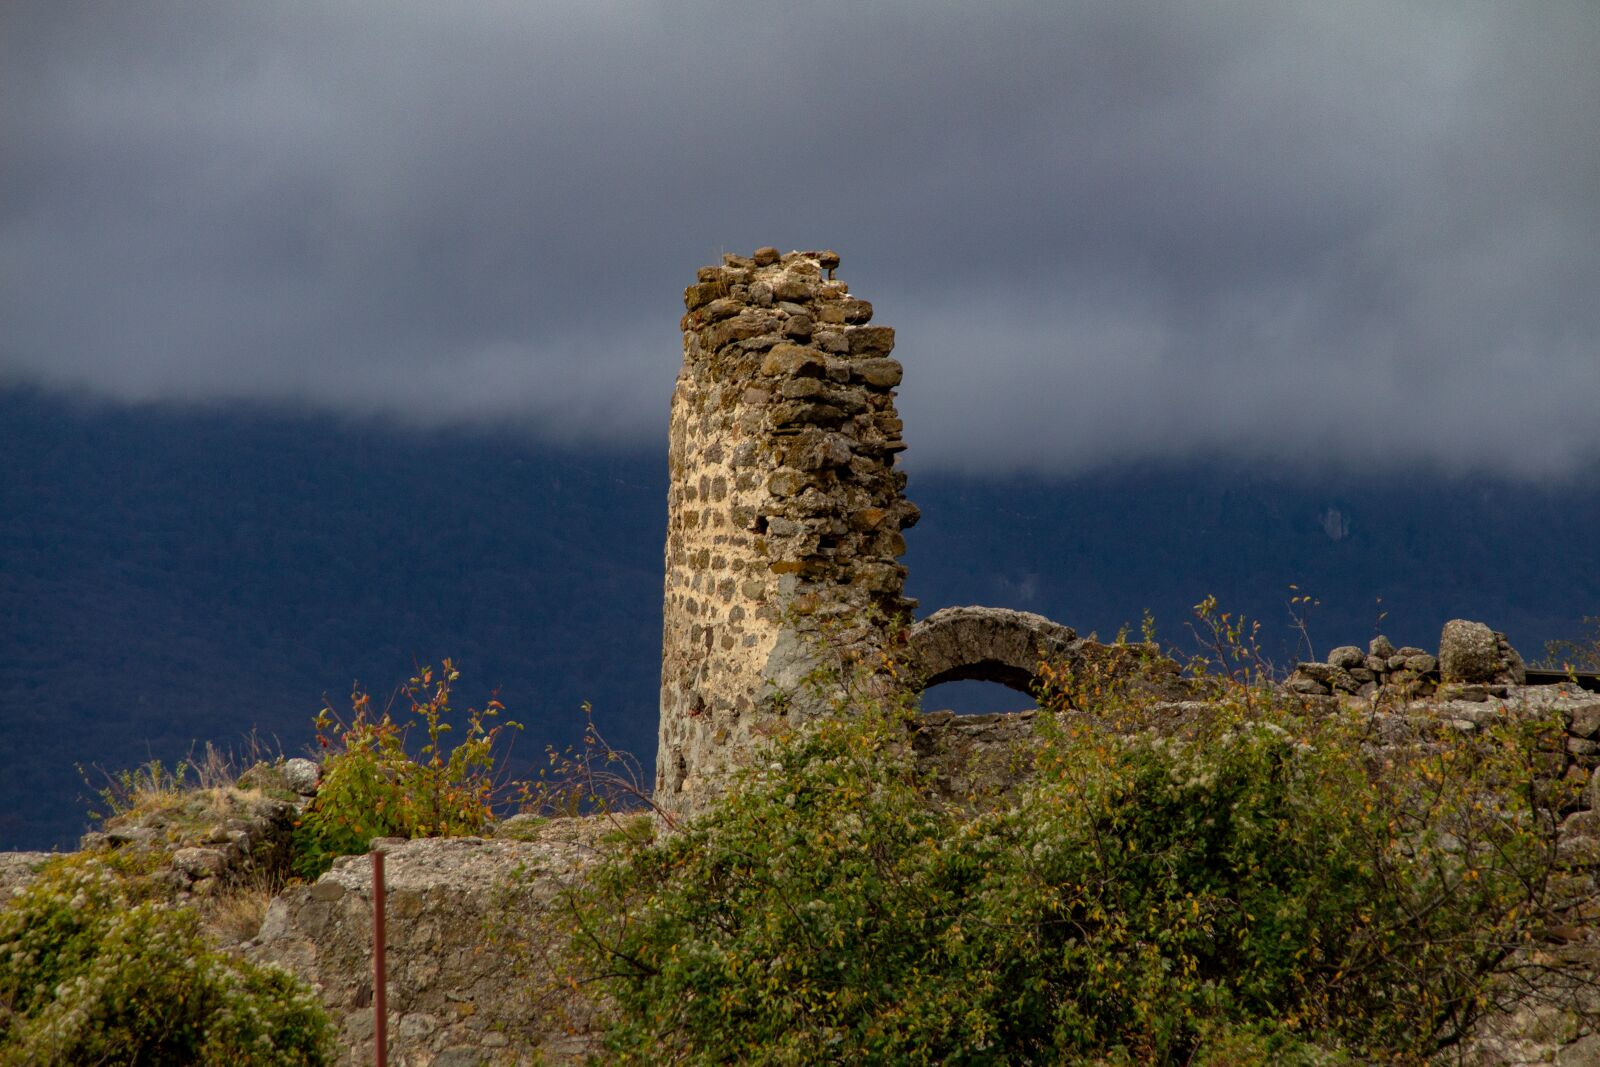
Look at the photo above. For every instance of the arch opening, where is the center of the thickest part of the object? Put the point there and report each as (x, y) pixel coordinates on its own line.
(972, 696)
(973, 652)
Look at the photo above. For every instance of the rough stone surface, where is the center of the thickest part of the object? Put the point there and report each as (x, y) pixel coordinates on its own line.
(784, 509)
(456, 992)
(1586, 719)
(301, 775)
(18, 870)
(975, 759)
(199, 863)
(1347, 656)
(985, 644)
(1473, 654)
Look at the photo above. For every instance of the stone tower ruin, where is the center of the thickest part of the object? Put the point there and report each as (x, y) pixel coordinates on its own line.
(784, 508)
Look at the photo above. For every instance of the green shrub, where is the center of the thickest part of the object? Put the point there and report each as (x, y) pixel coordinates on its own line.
(91, 973)
(1256, 890)
(372, 787)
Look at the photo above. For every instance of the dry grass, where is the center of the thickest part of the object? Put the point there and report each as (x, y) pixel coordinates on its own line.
(154, 789)
(234, 914)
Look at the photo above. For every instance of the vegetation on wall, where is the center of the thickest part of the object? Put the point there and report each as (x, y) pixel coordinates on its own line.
(107, 959)
(1256, 885)
(371, 786)
(1251, 882)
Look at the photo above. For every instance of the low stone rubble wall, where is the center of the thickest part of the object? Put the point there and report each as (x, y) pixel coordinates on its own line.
(218, 837)
(206, 839)
(1473, 662)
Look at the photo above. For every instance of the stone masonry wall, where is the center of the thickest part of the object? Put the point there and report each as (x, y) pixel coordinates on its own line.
(784, 508)
(469, 978)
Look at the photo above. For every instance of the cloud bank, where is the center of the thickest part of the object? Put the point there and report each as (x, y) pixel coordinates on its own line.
(1358, 234)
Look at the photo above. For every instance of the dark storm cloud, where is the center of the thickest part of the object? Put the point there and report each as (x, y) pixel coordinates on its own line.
(1354, 233)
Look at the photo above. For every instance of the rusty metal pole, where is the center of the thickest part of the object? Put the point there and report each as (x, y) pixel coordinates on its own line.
(380, 994)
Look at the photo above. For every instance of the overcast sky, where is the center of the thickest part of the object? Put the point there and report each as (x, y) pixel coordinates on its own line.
(1334, 232)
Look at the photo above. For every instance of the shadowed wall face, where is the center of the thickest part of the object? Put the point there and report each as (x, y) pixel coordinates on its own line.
(784, 508)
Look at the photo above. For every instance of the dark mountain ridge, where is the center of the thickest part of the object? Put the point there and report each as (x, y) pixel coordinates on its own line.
(170, 576)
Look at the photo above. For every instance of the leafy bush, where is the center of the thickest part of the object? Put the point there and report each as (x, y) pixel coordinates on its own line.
(92, 973)
(1253, 886)
(372, 787)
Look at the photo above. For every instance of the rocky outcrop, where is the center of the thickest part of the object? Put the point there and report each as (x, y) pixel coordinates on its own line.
(200, 841)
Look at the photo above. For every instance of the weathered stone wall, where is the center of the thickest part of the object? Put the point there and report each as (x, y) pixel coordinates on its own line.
(468, 980)
(784, 509)
(981, 760)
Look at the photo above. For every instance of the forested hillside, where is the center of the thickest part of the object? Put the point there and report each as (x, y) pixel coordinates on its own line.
(174, 577)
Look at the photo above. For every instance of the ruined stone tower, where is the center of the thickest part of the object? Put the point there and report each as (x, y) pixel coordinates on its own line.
(784, 508)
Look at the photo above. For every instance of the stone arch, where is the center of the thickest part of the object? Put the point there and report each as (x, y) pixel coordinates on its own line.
(986, 645)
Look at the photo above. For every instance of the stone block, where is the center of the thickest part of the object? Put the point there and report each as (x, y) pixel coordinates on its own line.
(879, 373)
(803, 413)
(791, 360)
(871, 340)
(1347, 657)
(701, 294)
(1468, 653)
(849, 311)
(200, 862)
(794, 287)
(1584, 719)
